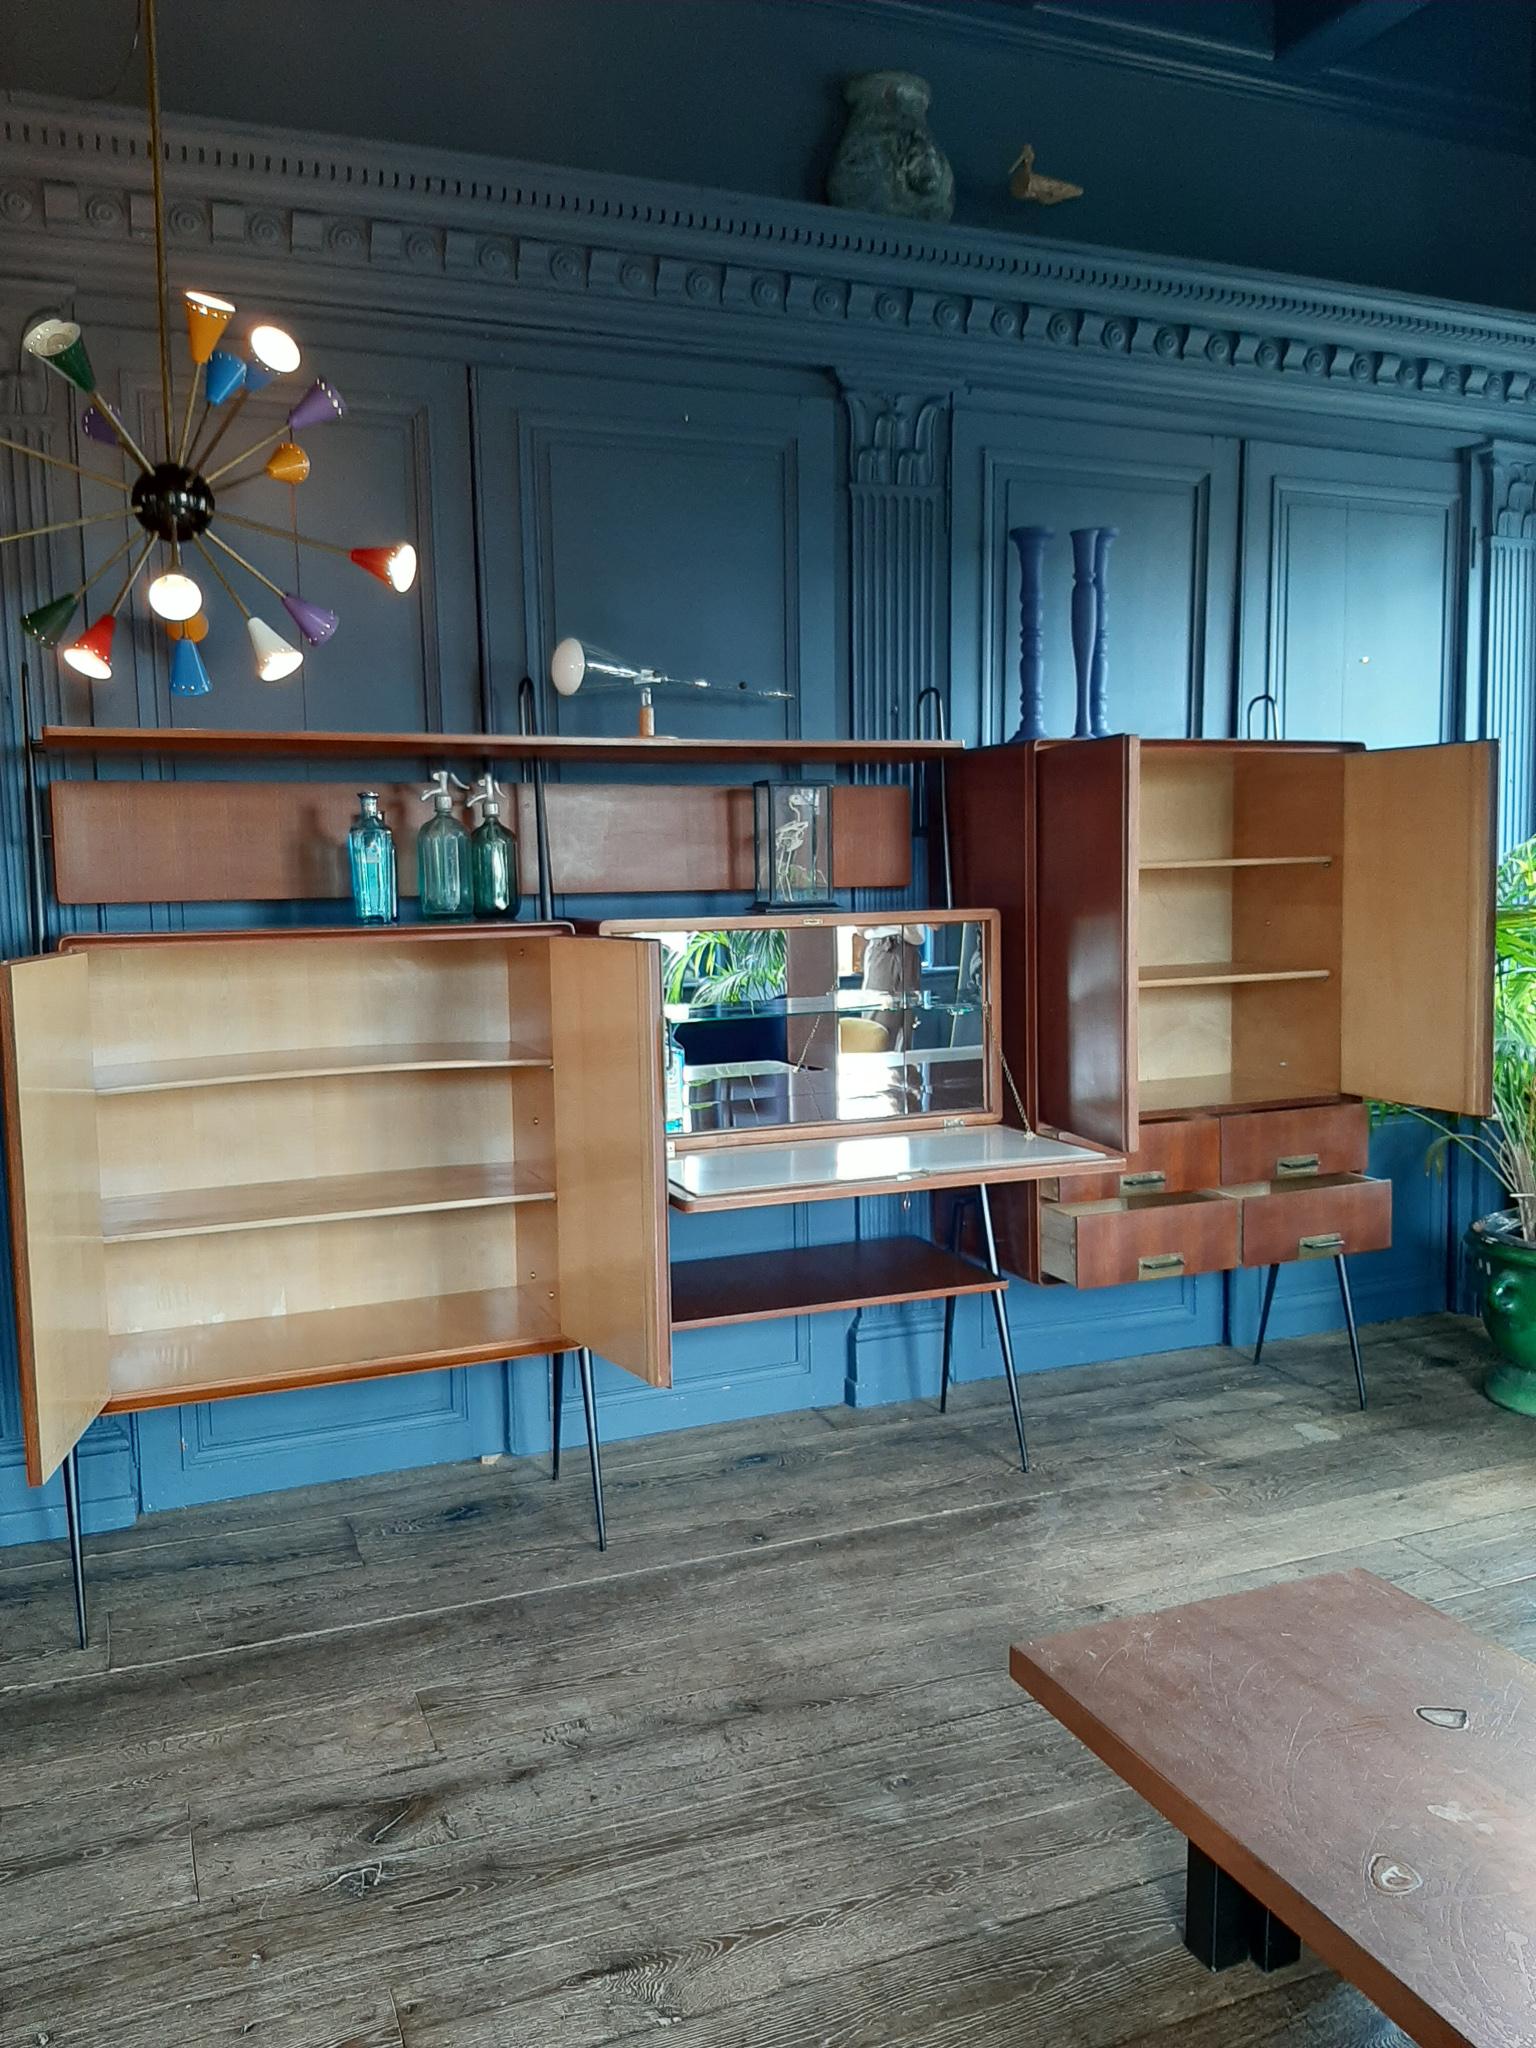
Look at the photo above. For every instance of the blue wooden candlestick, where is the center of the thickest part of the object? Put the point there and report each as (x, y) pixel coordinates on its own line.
(1098, 694)
(1031, 543)
(1085, 621)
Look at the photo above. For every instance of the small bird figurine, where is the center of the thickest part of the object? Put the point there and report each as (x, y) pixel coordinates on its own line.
(1026, 182)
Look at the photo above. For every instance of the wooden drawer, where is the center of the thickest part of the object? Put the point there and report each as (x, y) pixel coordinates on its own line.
(1312, 1217)
(1172, 1159)
(1139, 1237)
(1275, 1144)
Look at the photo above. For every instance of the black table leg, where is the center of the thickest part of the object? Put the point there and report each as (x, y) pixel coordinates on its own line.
(1225, 1924)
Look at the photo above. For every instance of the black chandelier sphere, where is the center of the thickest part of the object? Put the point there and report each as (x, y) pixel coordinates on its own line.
(172, 502)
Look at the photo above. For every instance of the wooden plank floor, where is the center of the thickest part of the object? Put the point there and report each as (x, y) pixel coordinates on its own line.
(406, 1764)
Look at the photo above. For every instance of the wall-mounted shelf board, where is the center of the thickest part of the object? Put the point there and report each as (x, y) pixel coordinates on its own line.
(208, 1361)
(205, 743)
(309, 1063)
(331, 1198)
(1219, 973)
(1215, 1092)
(754, 1286)
(1249, 860)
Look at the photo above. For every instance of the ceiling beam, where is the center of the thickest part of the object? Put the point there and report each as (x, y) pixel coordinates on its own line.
(1312, 34)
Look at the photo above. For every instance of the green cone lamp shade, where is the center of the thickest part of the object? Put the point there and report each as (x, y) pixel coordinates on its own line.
(275, 656)
(223, 376)
(319, 403)
(313, 620)
(189, 678)
(91, 654)
(47, 623)
(57, 343)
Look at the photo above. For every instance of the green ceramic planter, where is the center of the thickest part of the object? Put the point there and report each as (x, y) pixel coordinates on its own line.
(1506, 1273)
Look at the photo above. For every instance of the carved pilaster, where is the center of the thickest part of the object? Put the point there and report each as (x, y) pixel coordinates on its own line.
(1509, 637)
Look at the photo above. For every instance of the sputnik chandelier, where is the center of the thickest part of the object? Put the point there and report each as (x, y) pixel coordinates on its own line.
(171, 500)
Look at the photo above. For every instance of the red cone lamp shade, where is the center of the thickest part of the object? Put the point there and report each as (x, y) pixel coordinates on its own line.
(395, 565)
(91, 654)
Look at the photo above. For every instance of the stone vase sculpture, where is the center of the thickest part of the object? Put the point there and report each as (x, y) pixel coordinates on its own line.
(1031, 542)
(887, 162)
(1085, 622)
(1098, 687)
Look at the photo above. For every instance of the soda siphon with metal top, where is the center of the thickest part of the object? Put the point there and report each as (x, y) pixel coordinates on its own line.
(442, 857)
(492, 855)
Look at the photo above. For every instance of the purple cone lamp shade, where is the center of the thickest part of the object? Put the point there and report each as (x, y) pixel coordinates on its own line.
(189, 677)
(97, 427)
(319, 403)
(313, 620)
(224, 375)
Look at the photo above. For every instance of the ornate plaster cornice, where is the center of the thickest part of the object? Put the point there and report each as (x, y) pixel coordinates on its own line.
(529, 239)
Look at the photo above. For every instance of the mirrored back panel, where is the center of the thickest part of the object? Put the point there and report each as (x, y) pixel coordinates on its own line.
(826, 1021)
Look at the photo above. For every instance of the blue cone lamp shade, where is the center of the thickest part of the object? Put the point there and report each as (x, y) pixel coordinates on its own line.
(223, 376)
(319, 403)
(313, 620)
(189, 678)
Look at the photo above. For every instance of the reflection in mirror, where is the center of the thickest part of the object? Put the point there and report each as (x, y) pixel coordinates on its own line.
(826, 1023)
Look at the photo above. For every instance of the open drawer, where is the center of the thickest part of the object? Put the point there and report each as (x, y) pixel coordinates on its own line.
(1316, 1216)
(1139, 1237)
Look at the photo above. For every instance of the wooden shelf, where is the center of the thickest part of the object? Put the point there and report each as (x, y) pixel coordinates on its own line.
(816, 1279)
(336, 1198)
(186, 740)
(1217, 973)
(160, 1368)
(1226, 1091)
(309, 1063)
(1259, 860)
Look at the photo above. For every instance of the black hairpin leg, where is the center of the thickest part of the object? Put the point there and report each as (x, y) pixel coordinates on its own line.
(1225, 1924)
(956, 1219)
(71, 1475)
(1269, 1295)
(1000, 1309)
(589, 1403)
(556, 1403)
(1349, 1324)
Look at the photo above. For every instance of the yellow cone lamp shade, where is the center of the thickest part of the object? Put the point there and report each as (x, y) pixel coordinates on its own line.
(91, 654)
(288, 464)
(175, 596)
(275, 656)
(395, 565)
(195, 629)
(207, 318)
(57, 343)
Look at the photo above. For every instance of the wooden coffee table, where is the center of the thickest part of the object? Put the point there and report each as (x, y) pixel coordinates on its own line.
(1351, 1769)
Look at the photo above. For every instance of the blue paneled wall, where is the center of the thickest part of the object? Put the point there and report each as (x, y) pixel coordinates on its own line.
(758, 438)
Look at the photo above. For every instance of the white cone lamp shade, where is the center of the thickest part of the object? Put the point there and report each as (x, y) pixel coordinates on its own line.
(275, 349)
(175, 596)
(568, 667)
(275, 656)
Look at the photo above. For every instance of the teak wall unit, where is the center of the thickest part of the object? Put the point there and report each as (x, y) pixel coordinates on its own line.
(245, 1164)
(1214, 950)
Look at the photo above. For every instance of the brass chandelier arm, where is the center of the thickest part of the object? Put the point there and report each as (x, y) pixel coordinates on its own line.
(234, 462)
(157, 168)
(125, 439)
(234, 595)
(186, 425)
(97, 476)
(131, 578)
(306, 540)
(96, 574)
(200, 459)
(63, 526)
(249, 567)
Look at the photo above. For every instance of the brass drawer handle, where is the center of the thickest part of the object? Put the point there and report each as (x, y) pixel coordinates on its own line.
(1324, 1246)
(1141, 1183)
(1296, 1162)
(1160, 1266)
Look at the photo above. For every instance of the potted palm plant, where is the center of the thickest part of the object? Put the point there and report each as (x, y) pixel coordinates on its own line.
(1502, 1246)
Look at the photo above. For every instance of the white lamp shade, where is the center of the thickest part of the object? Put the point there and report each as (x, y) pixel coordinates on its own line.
(275, 349)
(175, 596)
(567, 666)
(275, 656)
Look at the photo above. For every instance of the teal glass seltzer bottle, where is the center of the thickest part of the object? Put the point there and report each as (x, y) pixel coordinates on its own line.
(371, 859)
(492, 855)
(442, 858)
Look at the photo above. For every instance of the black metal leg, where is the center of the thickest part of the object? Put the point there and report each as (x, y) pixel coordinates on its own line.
(589, 1403)
(556, 1403)
(1000, 1310)
(1225, 1924)
(71, 1474)
(955, 1219)
(1349, 1324)
(1269, 1295)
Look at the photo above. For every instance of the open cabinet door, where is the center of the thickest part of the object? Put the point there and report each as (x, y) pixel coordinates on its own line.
(1086, 837)
(1419, 854)
(610, 1152)
(54, 1187)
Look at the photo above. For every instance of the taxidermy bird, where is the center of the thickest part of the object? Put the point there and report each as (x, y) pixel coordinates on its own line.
(1028, 183)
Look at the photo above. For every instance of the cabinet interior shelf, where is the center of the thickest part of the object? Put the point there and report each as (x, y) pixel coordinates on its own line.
(335, 1198)
(1256, 860)
(815, 1279)
(190, 740)
(1187, 1092)
(1217, 973)
(208, 1361)
(309, 1063)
